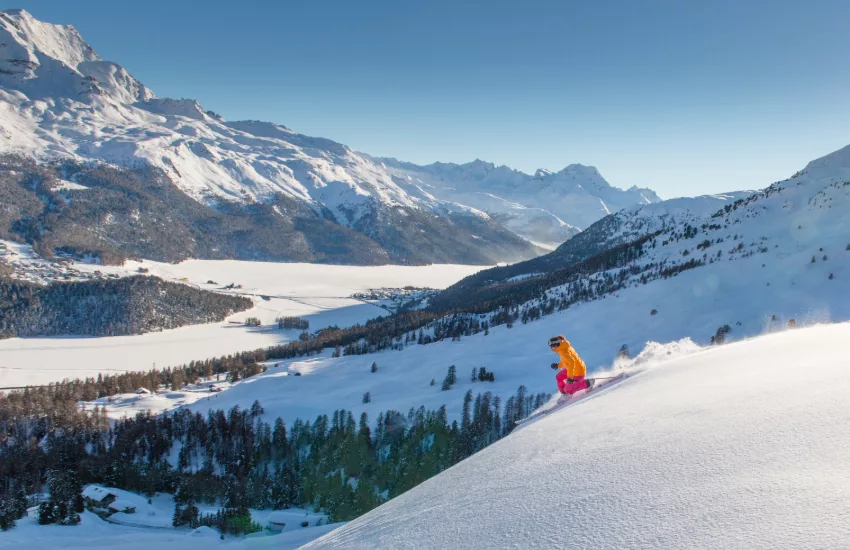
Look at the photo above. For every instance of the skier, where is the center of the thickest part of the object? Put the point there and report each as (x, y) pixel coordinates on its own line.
(572, 370)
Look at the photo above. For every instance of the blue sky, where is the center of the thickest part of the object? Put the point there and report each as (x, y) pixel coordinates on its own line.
(684, 97)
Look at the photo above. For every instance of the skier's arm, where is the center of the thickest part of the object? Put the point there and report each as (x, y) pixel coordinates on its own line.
(564, 356)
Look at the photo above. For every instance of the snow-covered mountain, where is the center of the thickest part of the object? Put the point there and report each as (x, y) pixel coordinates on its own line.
(805, 214)
(547, 208)
(722, 449)
(60, 101)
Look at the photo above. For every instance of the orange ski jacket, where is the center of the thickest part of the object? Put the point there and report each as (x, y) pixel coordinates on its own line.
(570, 360)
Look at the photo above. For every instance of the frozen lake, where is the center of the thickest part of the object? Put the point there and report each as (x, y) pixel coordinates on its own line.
(318, 293)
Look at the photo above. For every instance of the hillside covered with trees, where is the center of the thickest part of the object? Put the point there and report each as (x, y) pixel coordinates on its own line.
(112, 307)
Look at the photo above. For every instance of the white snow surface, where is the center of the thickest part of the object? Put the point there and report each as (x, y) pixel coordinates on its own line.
(738, 446)
(150, 527)
(320, 294)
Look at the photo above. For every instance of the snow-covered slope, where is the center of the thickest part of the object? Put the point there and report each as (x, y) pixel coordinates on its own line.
(758, 275)
(634, 222)
(548, 207)
(59, 100)
(743, 446)
(804, 216)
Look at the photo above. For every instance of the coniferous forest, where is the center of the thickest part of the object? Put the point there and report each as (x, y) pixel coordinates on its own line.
(108, 307)
(236, 458)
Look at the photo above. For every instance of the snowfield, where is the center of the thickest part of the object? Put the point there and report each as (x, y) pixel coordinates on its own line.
(319, 293)
(738, 446)
(155, 531)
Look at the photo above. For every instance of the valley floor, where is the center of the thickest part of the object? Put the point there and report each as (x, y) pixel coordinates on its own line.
(93, 533)
(320, 294)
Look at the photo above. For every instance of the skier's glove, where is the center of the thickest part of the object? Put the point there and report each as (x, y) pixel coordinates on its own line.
(554, 365)
(570, 380)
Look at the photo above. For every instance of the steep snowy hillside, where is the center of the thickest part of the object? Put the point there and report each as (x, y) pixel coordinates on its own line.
(804, 216)
(59, 100)
(628, 225)
(722, 449)
(548, 207)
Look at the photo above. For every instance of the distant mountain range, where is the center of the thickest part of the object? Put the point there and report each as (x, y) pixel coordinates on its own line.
(547, 208)
(786, 224)
(246, 189)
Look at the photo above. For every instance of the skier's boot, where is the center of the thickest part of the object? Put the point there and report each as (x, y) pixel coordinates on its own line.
(590, 383)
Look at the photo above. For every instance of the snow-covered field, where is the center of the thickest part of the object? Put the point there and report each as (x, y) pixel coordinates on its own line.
(150, 527)
(319, 293)
(157, 401)
(738, 446)
(95, 534)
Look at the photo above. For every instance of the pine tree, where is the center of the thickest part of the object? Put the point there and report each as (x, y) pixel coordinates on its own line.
(374, 367)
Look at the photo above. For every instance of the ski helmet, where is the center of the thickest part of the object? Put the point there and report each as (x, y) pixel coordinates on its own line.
(556, 341)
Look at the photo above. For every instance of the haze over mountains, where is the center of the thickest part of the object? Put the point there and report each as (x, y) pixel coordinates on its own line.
(258, 190)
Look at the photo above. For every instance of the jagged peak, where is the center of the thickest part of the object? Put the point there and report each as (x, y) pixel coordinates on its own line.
(478, 163)
(34, 56)
(60, 42)
(581, 170)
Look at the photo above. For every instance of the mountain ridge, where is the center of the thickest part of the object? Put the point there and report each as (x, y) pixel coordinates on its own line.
(60, 103)
(60, 100)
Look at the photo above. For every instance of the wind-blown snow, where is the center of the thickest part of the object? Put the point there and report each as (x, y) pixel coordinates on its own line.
(740, 446)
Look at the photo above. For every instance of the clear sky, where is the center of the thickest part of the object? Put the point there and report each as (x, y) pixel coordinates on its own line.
(686, 97)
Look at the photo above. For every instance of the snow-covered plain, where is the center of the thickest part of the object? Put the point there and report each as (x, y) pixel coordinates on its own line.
(739, 446)
(153, 530)
(319, 293)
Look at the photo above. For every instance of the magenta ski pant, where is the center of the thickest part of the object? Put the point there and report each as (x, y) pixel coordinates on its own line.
(579, 383)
